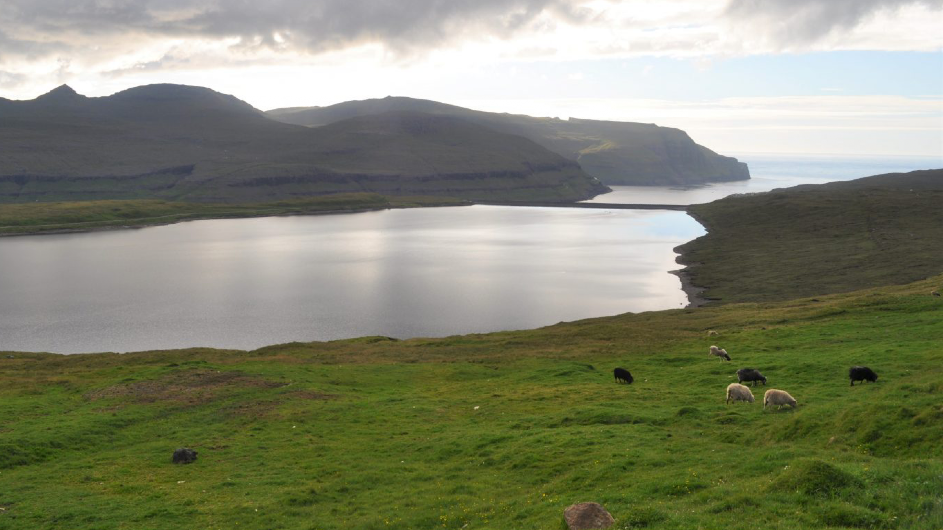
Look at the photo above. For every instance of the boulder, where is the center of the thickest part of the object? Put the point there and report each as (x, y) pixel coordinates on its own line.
(587, 515)
(184, 456)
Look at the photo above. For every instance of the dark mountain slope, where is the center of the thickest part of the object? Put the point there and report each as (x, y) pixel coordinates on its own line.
(614, 152)
(182, 142)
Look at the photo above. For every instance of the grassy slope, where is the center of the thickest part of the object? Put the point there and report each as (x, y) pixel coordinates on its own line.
(499, 431)
(813, 240)
(89, 215)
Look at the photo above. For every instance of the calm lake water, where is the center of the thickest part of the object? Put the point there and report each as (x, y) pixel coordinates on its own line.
(770, 172)
(247, 283)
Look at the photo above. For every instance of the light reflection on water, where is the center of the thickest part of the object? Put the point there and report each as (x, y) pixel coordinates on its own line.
(247, 283)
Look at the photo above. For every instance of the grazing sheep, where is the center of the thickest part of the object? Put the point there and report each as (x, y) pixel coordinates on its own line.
(712, 333)
(750, 375)
(737, 392)
(778, 398)
(935, 293)
(862, 373)
(719, 353)
(622, 375)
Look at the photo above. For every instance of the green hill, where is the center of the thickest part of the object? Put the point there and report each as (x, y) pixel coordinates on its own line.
(613, 152)
(819, 239)
(191, 143)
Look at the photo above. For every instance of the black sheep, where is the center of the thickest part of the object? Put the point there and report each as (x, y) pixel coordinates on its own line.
(751, 375)
(862, 373)
(622, 375)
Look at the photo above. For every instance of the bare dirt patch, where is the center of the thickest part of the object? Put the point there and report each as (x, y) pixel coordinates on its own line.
(190, 387)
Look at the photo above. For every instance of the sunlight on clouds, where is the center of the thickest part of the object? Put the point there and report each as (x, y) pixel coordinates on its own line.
(499, 54)
(803, 124)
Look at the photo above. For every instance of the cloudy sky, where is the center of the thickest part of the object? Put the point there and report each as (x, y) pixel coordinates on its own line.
(741, 76)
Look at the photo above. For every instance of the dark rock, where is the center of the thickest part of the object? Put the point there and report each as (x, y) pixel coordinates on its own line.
(184, 456)
(587, 515)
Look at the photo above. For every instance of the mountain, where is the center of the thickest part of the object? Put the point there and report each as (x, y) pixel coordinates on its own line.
(614, 152)
(191, 143)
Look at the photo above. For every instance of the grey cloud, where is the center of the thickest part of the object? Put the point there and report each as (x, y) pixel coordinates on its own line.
(801, 22)
(404, 26)
(28, 49)
(11, 79)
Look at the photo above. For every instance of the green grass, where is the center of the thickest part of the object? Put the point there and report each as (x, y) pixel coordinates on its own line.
(89, 215)
(813, 240)
(499, 430)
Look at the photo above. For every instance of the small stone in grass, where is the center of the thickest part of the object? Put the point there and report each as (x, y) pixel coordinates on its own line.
(184, 456)
(586, 515)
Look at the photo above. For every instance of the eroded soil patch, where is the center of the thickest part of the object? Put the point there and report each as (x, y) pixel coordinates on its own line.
(190, 387)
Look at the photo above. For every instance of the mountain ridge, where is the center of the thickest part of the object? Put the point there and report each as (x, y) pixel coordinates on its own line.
(617, 153)
(192, 143)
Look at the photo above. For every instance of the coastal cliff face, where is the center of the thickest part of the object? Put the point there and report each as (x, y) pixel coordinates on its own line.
(649, 155)
(617, 153)
(191, 143)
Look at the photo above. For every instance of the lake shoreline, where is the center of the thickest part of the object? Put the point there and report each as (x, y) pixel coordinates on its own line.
(30, 219)
(137, 226)
(692, 291)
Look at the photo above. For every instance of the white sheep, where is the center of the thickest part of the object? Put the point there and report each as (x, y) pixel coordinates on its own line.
(719, 353)
(737, 392)
(778, 398)
(712, 333)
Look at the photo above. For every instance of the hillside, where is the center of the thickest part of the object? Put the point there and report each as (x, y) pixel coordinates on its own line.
(191, 143)
(819, 239)
(614, 152)
(500, 430)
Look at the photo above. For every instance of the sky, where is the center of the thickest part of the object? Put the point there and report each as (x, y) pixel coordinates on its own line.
(859, 77)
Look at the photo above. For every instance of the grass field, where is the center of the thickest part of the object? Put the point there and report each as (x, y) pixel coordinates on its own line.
(33, 218)
(501, 430)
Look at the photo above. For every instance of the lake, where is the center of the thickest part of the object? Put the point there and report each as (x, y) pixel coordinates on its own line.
(247, 283)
